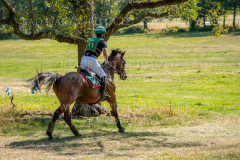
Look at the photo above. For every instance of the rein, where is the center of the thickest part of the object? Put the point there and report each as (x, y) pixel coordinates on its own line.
(115, 69)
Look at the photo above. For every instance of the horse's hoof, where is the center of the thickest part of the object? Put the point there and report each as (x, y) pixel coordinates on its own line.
(122, 130)
(51, 139)
(79, 134)
(75, 131)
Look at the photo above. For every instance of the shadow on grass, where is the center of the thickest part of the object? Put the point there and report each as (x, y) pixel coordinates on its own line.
(172, 35)
(187, 34)
(235, 33)
(93, 143)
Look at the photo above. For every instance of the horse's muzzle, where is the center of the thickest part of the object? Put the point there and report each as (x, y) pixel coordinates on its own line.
(123, 76)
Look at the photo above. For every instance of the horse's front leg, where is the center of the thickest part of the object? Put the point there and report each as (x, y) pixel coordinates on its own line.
(114, 113)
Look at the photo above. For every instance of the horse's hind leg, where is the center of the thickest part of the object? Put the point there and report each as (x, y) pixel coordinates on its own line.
(64, 108)
(67, 119)
(56, 115)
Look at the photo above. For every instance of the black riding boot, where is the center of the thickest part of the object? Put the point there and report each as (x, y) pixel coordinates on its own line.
(103, 82)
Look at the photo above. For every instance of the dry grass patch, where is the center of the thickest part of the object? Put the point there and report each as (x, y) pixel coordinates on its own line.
(208, 140)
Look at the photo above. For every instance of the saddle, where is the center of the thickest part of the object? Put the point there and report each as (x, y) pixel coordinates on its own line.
(92, 78)
(92, 74)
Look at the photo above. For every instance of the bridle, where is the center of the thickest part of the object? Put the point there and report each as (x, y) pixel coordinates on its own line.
(115, 69)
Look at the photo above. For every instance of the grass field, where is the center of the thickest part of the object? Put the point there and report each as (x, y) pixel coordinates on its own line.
(156, 26)
(193, 72)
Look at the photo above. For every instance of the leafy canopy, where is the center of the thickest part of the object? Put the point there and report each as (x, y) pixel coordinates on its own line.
(72, 18)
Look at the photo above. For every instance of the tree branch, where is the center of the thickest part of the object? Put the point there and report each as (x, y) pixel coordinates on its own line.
(139, 19)
(136, 5)
(43, 35)
(30, 2)
(10, 9)
(75, 6)
(5, 21)
(72, 2)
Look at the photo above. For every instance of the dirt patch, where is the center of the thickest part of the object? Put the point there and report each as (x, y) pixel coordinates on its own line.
(14, 86)
(209, 140)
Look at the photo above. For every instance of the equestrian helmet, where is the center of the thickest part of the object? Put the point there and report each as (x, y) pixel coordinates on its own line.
(100, 29)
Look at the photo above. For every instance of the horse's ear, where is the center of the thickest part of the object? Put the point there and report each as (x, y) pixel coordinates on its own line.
(123, 53)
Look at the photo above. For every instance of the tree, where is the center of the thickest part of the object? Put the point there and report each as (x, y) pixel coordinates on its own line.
(77, 17)
(229, 5)
(224, 7)
(82, 12)
(210, 10)
(235, 4)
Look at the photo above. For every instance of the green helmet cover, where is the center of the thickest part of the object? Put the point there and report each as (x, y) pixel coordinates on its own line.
(100, 29)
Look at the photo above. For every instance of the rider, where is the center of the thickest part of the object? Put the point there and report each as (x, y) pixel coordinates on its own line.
(95, 46)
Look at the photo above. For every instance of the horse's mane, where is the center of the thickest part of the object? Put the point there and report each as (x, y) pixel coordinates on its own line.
(112, 55)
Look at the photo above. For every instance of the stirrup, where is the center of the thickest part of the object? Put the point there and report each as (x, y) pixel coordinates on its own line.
(106, 95)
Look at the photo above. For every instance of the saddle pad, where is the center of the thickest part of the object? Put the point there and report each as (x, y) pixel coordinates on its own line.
(93, 81)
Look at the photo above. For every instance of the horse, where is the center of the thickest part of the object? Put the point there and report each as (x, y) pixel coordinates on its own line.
(73, 86)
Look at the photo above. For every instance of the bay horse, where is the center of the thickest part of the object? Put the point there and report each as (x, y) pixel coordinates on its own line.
(73, 86)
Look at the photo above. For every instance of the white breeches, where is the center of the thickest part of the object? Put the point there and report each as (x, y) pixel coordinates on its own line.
(88, 62)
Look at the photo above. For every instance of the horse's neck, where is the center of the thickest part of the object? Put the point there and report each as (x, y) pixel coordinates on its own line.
(111, 70)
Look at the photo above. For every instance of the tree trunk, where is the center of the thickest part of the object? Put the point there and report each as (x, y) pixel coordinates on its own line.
(224, 23)
(192, 25)
(234, 14)
(86, 110)
(145, 24)
(204, 22)
(91, 23)
(80, 109)
(81, 51)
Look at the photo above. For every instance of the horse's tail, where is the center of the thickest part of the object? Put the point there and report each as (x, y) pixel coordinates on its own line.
(46, 78)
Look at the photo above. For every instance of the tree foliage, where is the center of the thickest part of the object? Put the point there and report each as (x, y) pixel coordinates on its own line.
(73, 21)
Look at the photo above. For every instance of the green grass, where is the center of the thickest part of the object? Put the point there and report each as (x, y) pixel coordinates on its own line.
(193, 70)
(198, 74)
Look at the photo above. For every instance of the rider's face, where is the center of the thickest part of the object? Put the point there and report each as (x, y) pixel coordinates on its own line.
(103, 35)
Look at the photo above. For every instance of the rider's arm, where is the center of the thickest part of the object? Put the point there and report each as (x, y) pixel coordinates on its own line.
(105, 55)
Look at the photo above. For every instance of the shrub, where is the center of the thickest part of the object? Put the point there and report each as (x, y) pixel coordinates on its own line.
(173, 29)
(201, 28)
(230, 27)
(132, 29)
(165, 30)
(181, 30)
(4, 35)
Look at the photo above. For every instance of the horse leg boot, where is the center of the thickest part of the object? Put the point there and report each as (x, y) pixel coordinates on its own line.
(115, 114)
(50, 130)
(103, 82)
(121, 129)
(52, 123)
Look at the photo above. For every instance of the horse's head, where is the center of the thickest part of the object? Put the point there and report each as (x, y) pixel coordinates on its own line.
(120, 69)
(118, 62)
